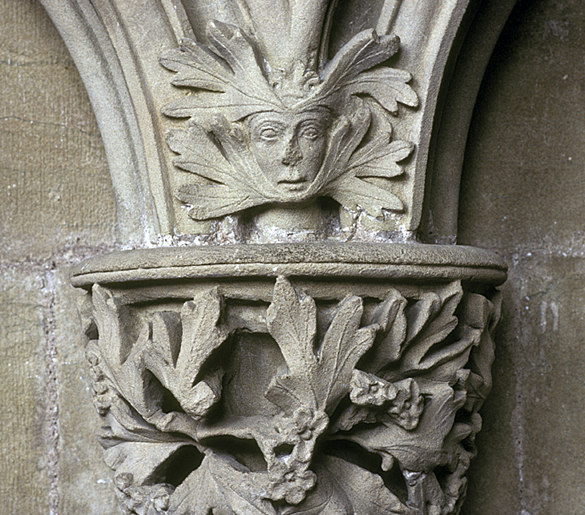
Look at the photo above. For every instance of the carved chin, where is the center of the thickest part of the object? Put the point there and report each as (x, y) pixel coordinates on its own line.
(294, 192)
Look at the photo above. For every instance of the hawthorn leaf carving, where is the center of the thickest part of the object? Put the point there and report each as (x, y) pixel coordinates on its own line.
(366, 491)
(318, 379)
(390, 316)
(119, 358)
(176, 360)
(420, 449)
(221, 486)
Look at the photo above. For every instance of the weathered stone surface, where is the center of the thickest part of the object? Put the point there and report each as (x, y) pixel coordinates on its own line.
(26, 461)
(85, 483)
(258, 394)
(522, 195)
(52, 160)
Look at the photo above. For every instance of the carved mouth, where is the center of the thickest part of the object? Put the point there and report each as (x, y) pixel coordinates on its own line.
(294, 185)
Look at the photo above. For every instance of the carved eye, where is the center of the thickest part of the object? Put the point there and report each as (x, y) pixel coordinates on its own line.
(269, 133)
(311, 132)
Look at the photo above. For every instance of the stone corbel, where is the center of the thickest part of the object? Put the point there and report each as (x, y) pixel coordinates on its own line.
(289, 345)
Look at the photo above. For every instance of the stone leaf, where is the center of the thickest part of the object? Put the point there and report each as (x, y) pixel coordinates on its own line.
(430, 322)
(176, 360)
(120, 358)
(347, 74)
(231, 81)
(199, 155)
(482, 314)
(318, 381)
(228, 189)
(345, 138)
(354, 193)
(206, 201)
(388, 86)
(379, 157)
(140, 460)
(221, 486)
(390, 316)
(365, 491)
(421, 449)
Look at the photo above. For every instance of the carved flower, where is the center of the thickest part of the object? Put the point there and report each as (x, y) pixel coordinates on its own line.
(369, 390)
(289, 456)
(309, 424)
(292, 486)
(403, 400)
(407, 406)
(143, 500)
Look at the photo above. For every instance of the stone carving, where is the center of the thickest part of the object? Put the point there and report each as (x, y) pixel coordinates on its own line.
(351, 384)
(286, 131)
(350, 407)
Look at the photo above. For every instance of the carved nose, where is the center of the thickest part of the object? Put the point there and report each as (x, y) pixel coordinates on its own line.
(292, 154)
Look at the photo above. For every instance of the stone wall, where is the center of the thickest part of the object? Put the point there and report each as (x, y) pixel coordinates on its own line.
(521, 196)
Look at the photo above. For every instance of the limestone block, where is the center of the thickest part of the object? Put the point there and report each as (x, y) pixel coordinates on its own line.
(52, 158)
(84, 480)
(26, 462)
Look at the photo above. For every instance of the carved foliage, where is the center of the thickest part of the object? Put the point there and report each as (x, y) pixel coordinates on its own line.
(402, 381)
(334, 121)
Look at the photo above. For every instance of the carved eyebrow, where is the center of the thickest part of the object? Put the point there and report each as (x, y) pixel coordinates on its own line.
(265, 124)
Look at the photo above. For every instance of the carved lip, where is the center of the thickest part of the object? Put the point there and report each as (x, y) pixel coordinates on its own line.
(367, 261)
(293, 185)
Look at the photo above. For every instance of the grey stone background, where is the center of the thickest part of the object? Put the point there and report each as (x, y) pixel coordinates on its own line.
(522, 196)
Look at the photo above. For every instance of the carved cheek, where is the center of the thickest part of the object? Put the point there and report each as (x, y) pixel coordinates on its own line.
(313, 152)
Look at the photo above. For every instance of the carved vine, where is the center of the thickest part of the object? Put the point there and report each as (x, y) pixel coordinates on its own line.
(261, 134)
(402, 383)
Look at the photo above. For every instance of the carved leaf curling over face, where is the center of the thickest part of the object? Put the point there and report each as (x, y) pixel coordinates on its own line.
(402, 381)
(260, 136)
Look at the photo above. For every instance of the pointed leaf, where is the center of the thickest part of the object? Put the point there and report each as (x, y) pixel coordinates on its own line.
(199, 155)
(197, 67)
(366, 491)
(213, 200)
(238, 51)
(345, 138)
(354, 193)
(292, 322)
(389, 315)
(365, 50)
(343, 345)
(202, 333)
(379, 157)
(387, 85)
(431, 320)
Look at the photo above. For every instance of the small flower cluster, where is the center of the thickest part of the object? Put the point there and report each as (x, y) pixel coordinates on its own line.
(143, 500)
(403, 402)
(289, 456)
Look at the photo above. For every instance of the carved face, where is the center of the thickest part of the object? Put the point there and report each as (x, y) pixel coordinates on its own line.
(289, 148)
